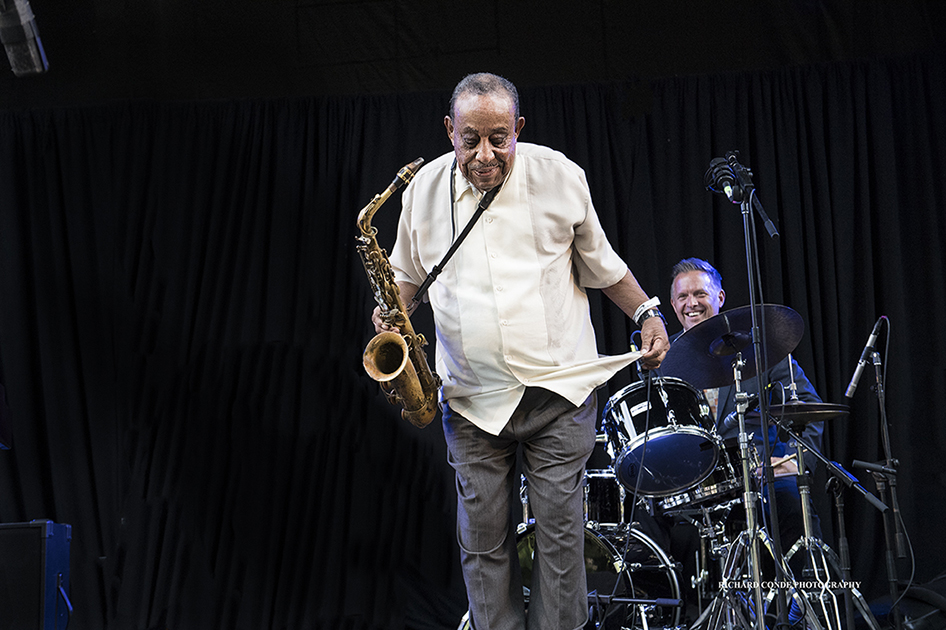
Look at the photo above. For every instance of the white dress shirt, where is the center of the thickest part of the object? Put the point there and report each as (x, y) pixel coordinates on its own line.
(510, 307)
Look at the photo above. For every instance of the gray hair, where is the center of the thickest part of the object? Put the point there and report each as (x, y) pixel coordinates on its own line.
(484, 83)
(696, 264)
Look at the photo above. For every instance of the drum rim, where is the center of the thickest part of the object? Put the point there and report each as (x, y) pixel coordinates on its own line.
(672, 380)
(696, 496)
(602, 473)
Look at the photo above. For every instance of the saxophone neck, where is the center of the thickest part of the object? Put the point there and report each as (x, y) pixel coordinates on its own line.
(367, 213)
(403, 177)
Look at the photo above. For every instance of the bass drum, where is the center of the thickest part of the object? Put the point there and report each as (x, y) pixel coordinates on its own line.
(663, 434)
(647, 573)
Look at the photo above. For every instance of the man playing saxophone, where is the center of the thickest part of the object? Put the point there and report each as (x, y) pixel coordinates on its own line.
(515, 345)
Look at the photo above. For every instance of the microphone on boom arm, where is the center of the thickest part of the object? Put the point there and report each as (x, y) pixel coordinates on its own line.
(864, 360)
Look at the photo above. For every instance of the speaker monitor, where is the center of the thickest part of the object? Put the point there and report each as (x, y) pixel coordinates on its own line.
(34, 575)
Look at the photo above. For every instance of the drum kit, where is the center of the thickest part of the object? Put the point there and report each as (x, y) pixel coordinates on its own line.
(668, 459)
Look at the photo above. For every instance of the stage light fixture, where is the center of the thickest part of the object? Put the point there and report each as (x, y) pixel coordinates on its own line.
(20, 38)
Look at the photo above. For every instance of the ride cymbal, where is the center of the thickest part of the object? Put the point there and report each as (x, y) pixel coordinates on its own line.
(703, 356)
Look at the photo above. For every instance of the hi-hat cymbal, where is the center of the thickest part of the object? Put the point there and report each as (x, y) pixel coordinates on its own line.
(798, 412)
(703, 356)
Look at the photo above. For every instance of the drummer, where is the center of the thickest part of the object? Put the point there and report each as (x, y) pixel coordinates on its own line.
(696, 295)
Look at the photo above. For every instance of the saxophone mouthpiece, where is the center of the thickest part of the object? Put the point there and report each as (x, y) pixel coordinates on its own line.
(406, 174)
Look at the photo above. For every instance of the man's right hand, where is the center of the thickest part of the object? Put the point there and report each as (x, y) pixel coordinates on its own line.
(379, 325)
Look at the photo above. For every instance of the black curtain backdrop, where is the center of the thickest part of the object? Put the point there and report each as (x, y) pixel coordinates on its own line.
(182, 315)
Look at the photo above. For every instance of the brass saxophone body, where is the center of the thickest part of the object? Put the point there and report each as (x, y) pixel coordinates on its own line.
(396, 360)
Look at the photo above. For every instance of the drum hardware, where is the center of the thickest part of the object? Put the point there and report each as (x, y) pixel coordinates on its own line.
(822, 566)
(700, 580)
(524, 499)
(720, 351)
(710, 523)
(738, 603)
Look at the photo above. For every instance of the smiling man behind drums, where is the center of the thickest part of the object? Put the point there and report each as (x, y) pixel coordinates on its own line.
(697, 295)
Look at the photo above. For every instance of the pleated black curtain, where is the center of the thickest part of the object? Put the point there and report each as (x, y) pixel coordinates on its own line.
(182, 316)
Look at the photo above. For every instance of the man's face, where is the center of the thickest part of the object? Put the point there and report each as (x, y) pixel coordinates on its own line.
(483, 131)
(695, 298)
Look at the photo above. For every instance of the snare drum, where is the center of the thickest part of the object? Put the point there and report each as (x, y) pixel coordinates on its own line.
(664, 434)
(722, 485)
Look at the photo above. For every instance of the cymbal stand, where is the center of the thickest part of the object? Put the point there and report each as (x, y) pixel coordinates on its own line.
(817, 571)
(819, 581)
(732, 606)
(710, 524)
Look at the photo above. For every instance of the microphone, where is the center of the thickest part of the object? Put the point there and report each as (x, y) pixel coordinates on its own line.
(864, 360)
(732, 418)
(719, 177)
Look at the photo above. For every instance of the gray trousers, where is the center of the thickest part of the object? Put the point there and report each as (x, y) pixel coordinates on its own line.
(557, 439)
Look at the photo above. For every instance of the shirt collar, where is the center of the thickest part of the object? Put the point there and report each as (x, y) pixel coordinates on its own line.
(463, 186)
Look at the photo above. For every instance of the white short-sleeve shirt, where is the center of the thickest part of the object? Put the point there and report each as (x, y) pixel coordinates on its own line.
(510, 307)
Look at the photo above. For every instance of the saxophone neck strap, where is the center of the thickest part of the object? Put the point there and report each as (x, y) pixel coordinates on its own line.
(438, 268)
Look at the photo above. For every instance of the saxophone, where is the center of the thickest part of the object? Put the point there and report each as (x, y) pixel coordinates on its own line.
(396, 360)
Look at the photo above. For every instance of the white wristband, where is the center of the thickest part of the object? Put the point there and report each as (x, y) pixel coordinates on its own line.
(646, 306)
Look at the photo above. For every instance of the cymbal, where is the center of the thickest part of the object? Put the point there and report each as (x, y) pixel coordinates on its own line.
(799, 412)
(703, 355)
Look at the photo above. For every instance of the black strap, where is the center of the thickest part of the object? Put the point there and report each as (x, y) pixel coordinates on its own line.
(438, 268)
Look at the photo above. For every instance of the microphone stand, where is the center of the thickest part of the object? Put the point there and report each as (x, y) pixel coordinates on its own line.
(821, 559)
(748, 201)
(730, 608)
(833, 486)
(885, 477)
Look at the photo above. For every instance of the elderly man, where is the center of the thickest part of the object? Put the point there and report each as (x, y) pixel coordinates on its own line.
(515, 346)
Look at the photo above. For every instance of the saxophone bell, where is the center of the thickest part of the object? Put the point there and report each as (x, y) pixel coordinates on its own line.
(387, 360)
